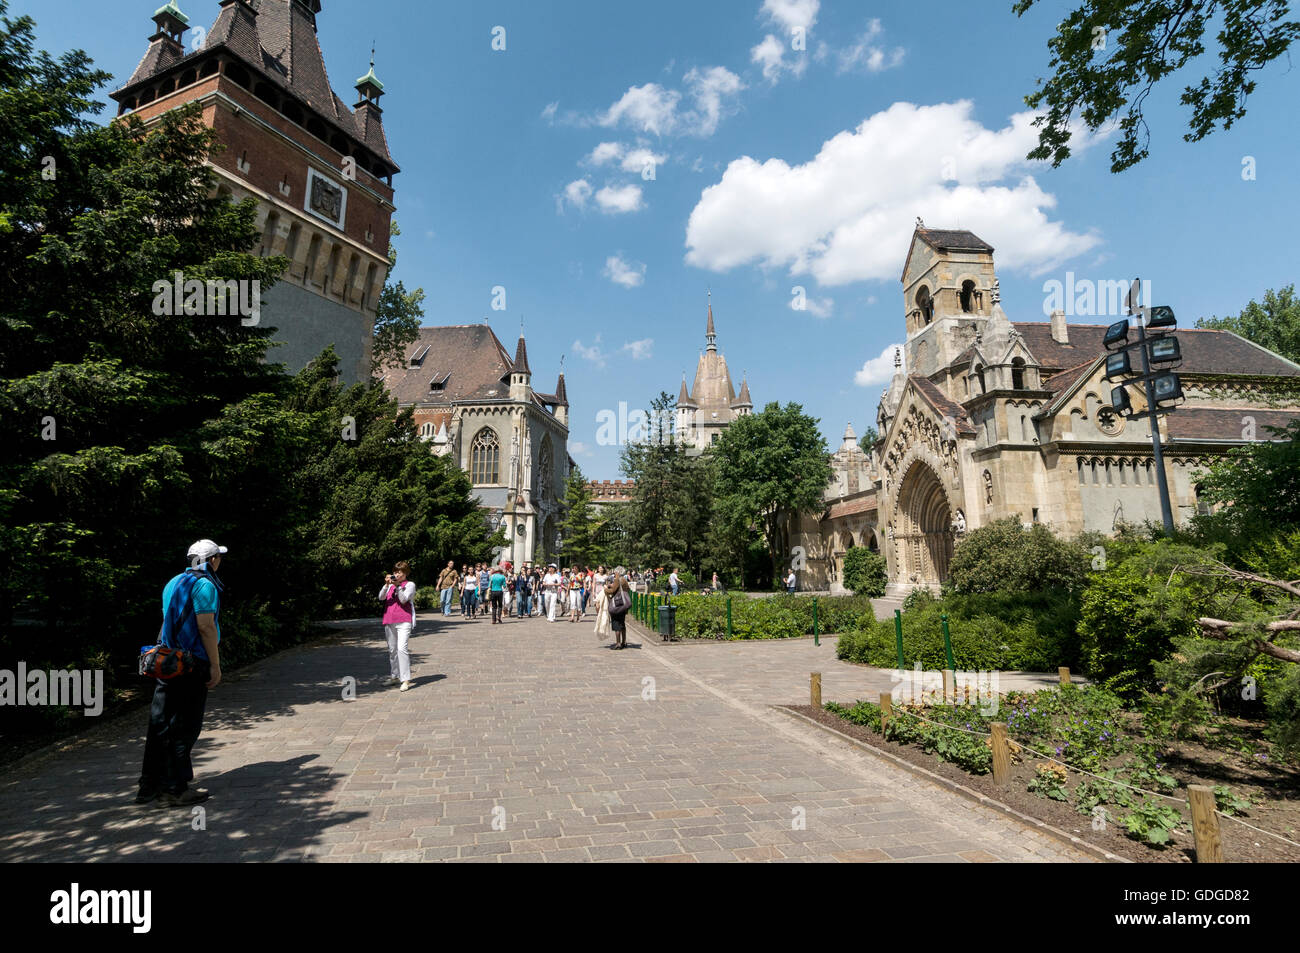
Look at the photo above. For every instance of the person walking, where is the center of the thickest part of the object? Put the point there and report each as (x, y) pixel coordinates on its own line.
(191, 604)
(601, 603)
(791, 583)
(471, 592)
(550, 591)
(620, 600)
(576, 582)
(484, 580)
(675, 582)
(522, 600)
(496, 592)
(447, 586)
(398, 597)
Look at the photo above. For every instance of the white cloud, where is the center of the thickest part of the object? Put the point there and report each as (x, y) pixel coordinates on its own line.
(641, 350)
(576, 194)
(641, 158)
(549, 112)
(594, 353)
(618, 199)
(627, 274)
(817, 307)
(868, 54)
(847, 214)
(629, 158)
(791, 19)
(655, 110)
(578, 448)
(878, 370)
(604, 153)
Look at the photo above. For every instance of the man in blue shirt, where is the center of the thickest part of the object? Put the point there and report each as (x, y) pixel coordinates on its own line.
(191, 604)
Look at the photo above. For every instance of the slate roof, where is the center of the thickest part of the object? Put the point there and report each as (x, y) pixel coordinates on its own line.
(852, 507)
(1190, 424)
(943, 405)
(1205, 351)
(952, 239)
(280, 44)
(478, 364)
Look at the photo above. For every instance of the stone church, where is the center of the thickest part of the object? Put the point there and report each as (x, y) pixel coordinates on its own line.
(320, 171)
(473, 402)
(987, 418)
(712, 403)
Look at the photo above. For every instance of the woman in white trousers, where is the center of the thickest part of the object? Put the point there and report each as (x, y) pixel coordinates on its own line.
(398, 597)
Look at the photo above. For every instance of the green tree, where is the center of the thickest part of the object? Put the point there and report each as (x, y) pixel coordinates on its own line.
(770, 467)
(1258, 488)
(580, 525)
(865, 573)
(397, 318)
(1108, 56)
(1275, 324)
(1004, 556)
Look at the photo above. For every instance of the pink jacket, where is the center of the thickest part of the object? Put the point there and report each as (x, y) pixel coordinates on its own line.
(398, 604)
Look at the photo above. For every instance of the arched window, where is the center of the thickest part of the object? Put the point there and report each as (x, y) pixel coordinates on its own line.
(1082, 479)
(969, 297)
(925, 304)
(485, 458)
(1018, 374)
(545, 468)
(1024, 428)
(979, 372)
(426, 431)
(1094, 473)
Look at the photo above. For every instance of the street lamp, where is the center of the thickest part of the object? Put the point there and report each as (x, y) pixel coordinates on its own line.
(1162, 387)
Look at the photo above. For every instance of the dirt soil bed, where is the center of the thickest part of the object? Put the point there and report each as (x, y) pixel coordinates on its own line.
(1273, 790)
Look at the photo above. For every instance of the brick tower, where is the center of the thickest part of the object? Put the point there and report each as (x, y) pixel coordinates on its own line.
(321, 172)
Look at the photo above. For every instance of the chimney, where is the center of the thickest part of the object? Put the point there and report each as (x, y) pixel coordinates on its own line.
(1060, 333)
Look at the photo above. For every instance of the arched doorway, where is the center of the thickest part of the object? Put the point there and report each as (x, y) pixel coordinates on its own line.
(925, 520)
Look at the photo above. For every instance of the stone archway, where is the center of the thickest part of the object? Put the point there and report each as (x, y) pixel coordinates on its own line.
(924, 534)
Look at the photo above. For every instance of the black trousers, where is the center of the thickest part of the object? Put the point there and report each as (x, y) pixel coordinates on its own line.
(175, 720)
(496, 598)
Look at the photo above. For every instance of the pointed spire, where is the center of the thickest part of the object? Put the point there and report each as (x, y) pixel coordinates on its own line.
(561, 393)
(710, 334)
(744, 400)
(369, 86)
(683, 396)
(521, 358)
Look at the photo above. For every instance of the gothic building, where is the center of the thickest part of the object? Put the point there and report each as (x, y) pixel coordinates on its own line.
(320, 171)
(988, 418)
(712, 403)
(473, 402)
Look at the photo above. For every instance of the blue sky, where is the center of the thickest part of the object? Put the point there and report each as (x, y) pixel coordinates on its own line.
(772, 169)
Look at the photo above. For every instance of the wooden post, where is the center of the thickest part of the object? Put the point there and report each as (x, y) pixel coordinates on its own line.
(1065, 675)
(1001, 754)
(1205, 824)
(949, 686)
(816, 687)
(886, 710)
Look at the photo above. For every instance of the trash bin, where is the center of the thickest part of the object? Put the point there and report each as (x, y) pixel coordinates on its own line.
(668, 622)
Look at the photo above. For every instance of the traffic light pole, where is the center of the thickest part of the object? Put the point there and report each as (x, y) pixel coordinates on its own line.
(1162, 483)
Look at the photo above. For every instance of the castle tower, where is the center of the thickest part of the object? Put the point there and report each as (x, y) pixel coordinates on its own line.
(321, 173)
(712, 400)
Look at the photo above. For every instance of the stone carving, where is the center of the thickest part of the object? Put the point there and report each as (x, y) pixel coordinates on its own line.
(326, 199)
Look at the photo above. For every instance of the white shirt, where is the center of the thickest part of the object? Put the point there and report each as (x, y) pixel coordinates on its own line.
(404, 596)
(551, 581)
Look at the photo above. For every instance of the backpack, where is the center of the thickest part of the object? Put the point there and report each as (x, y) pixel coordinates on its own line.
(166, 663)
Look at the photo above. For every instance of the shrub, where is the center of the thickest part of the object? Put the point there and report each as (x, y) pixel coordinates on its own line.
(1005, 557)
(428, 598)
(1132, 611)
(778, 617)
(865, 573)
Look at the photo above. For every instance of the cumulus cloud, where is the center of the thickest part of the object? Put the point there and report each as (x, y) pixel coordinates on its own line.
(618, 199)
(593, 353)
(576, 194)
(655, 110)
(867, 53)
(878, 370)
(549, 112)
(635, 158)
(817, 307)
(627, 274)
(793, 20)
(641, 350)
(605, 153)
(847, 214)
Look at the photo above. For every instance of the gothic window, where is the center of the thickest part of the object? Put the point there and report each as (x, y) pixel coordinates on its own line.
(979, 372)
(1094, 473)
(1024, 428)
(968, 296)
(426, 431)
(1110, 477)
(1082, 479)
(1018, 374)
(485, 458)
(926, 304)
(988, 488)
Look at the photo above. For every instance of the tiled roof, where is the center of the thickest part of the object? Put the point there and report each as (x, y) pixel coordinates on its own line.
(1064, 380)
(1205, 351)
(953, 239)
(1189, 424)
(478, 365)
(866, 504)
(943, 405)
(280, 43)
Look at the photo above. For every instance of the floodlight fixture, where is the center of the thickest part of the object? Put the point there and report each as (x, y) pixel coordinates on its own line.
(1161, 316)
(1164, 350)
(1116, 334)
(1119, 400)
(1166, 387)
(1118, 364)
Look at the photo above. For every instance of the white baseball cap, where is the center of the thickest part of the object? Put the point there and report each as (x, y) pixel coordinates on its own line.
(205, 549)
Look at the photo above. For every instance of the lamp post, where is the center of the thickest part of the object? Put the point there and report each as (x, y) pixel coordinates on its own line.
(1160, 387)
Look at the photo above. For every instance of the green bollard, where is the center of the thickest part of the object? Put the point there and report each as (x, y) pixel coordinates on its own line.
(728, 618)
(947, 642)
(898, 636)
(816, 638)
